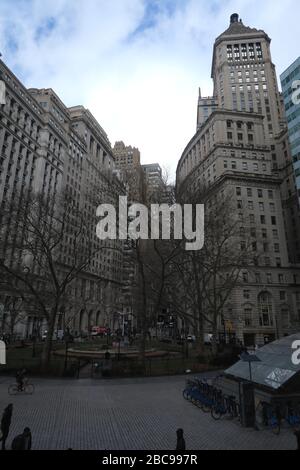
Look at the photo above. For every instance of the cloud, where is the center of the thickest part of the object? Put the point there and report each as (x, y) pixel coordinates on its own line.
(136, 64)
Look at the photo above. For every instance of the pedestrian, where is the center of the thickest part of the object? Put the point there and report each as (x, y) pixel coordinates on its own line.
(5, 424)
(180, 440)
(22, 441)
(297, 435)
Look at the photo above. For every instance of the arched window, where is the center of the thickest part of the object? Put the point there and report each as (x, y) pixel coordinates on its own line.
(265, 309)
(248, 316)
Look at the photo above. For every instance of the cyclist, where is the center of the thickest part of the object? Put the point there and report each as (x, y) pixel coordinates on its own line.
(20, 377)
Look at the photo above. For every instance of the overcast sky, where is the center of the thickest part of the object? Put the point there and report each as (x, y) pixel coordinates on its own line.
(136, 64)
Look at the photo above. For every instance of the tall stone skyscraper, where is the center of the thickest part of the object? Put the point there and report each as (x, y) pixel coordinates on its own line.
(241, 148)
(244, 79)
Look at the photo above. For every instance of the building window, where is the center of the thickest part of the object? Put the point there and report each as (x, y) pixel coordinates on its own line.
(265, 309)
(272, 207)
(246, 294)
(273, 219)
(248, 316)
(282, 295)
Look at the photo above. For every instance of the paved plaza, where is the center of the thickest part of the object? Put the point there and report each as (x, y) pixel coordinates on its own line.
(126, 414)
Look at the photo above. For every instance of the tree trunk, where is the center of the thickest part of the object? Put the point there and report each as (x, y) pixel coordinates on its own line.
(48, 342)
(143, 351)
(214, 339)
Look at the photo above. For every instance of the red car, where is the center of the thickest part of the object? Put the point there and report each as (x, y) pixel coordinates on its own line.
(99, 331)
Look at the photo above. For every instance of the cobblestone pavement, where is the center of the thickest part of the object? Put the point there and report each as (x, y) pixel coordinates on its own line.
(125, 414)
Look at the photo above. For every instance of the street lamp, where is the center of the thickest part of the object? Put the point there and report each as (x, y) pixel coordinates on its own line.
(250, 358)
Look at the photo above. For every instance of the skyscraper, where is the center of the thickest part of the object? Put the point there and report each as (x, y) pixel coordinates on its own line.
(128, 164)
(241, 149)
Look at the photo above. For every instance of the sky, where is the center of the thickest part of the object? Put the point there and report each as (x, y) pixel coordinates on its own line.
(136, 65)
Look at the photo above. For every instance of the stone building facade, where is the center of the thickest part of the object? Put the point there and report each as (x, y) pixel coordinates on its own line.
(50, 148)
(128, 163)
(241, 149)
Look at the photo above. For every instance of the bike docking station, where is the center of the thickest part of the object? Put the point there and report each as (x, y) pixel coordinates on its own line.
(267, 386)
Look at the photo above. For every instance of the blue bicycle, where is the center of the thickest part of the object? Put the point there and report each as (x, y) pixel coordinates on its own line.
(225, 405)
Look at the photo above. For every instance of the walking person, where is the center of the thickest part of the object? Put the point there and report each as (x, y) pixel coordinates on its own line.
(5, 424)
(180, 440)
(22, 441)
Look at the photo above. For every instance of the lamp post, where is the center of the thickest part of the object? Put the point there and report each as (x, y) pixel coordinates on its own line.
(250, 358)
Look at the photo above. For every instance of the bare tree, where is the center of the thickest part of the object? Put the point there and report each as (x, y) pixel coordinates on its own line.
(14, 314)
(46, 245)
(205, 279)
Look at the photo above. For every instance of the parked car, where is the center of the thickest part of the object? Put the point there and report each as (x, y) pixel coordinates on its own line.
(44, 335)
(191, 338)
(208, 339)
(99, 331)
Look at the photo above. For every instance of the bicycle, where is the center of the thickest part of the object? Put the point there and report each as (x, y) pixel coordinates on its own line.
(268, 416)
(27, 389)
(293, 416)
(225, 405)
(191, 385)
